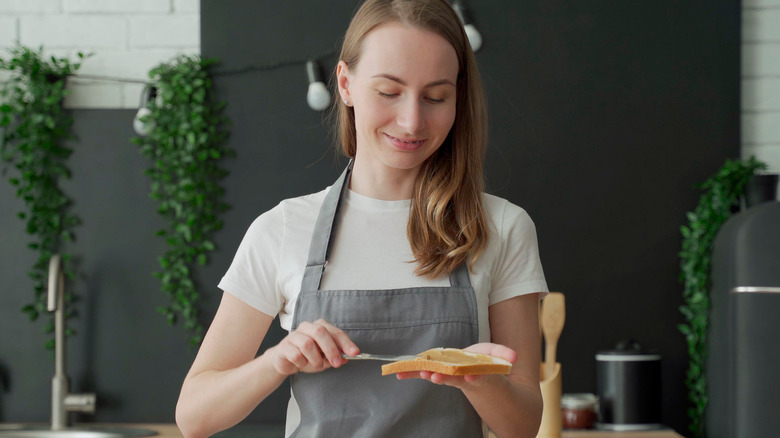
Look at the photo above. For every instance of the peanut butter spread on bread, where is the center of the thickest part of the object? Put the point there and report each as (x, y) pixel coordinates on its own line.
(455, 356)
(451, 361)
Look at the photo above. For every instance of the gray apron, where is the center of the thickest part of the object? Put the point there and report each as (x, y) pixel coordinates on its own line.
(355, 400)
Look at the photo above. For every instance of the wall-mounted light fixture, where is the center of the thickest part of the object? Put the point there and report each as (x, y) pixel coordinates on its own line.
(475, 39)
(318, 95)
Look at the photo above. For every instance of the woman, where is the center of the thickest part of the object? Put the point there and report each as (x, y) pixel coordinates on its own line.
(417, 257)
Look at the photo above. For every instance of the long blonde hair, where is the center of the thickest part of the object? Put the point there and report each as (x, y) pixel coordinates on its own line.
(447, 224)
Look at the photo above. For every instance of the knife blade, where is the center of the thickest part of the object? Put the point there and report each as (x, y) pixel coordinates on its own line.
(383, 357)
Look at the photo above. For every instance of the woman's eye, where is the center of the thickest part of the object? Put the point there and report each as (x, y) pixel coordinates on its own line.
(394, 95)
(386, 95)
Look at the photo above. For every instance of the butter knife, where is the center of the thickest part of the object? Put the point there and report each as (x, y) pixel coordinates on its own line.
(384, 357)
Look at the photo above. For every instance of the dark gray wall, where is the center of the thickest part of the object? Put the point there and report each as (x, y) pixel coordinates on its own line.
(603, 116)
(123, 351)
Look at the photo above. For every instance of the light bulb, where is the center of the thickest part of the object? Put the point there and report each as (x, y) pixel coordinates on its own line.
(145, 127)
(141, 127)
(318, 96)
(475, 38)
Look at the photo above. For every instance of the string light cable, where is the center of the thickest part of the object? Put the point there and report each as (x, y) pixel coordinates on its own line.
(317, 96)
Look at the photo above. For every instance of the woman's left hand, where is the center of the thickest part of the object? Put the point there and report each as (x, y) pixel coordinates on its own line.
(469, 380)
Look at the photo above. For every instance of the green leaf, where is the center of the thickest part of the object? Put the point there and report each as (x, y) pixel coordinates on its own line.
(37, 149)
(184, 182)
(31, 312)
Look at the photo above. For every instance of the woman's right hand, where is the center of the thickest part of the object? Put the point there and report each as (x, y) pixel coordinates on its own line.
(311, 348)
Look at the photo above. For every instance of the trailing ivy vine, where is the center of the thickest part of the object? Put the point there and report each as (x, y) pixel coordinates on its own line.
(722, 193)
(34, 130)
(185, 142)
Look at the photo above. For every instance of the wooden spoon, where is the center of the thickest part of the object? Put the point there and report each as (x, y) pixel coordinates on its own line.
(553, 316)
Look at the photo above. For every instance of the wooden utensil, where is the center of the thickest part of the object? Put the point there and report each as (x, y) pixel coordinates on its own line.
(552, 319)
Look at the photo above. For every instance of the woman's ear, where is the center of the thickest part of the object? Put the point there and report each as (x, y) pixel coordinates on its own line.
(342, 80)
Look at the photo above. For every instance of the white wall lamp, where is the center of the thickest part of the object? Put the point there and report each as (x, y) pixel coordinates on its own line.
(475, 39)
(318, 95)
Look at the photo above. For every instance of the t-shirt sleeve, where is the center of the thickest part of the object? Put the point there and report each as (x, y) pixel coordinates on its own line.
(252, 276)
(519, 268)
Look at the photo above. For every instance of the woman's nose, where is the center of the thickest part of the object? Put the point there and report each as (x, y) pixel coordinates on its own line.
(411, 116)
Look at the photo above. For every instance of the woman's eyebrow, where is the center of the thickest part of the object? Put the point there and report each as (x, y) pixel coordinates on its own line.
(400, 81)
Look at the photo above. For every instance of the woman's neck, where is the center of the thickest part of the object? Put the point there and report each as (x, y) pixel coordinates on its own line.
(381, 182)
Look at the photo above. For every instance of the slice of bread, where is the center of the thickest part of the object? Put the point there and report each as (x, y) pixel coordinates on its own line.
(451, 361)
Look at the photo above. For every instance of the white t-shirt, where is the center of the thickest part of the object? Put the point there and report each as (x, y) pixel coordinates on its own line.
(370, 250)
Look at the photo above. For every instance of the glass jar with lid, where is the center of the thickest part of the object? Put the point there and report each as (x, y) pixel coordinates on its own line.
(580, 411)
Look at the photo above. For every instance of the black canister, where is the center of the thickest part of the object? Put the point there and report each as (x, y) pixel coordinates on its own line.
(629, 388)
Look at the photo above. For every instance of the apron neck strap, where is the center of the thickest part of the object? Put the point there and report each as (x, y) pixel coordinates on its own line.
(321, 242)
(460, 276)
(320, 245)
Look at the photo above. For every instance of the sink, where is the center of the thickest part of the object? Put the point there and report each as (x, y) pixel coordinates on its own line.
(45, 431)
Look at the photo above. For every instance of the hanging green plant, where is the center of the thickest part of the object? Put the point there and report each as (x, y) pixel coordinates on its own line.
(34, 130)
(722, 193)
(185, 142)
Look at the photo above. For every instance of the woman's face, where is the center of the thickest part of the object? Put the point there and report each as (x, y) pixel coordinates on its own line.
(403, 93)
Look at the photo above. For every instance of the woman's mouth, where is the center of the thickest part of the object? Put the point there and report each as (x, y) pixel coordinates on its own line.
(406, 144)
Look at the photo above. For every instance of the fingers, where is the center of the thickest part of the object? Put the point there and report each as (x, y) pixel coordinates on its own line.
(330, 340)
(408, 375)
(306, 350)
(462, 382)
(495, 350)
(289, 359)
(313, 347)
(342, 340)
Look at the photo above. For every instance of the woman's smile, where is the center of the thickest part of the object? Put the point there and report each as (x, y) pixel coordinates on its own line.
(405, 144)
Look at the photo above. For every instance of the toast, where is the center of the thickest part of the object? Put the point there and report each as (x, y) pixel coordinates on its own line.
(450, 361)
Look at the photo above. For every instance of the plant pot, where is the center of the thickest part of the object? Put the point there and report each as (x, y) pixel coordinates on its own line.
(761, 188)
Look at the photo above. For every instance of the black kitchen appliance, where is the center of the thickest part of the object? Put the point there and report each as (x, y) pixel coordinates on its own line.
(743, 367)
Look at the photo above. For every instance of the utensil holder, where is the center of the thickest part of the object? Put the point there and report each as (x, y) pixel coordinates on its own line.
(552, 416)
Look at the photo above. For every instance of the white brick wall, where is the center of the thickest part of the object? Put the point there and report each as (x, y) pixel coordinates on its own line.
(152, 31)
(68, 31)
(117, 6)
(126, 38)
(761, 81)
(8, 31)
(31, 6)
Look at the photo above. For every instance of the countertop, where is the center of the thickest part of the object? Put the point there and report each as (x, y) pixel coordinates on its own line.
(169, 430)
(240, 431)
(665, 433)
(164, 430)
(261, 431)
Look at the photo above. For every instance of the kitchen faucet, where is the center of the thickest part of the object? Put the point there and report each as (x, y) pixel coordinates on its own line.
(62, 402)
